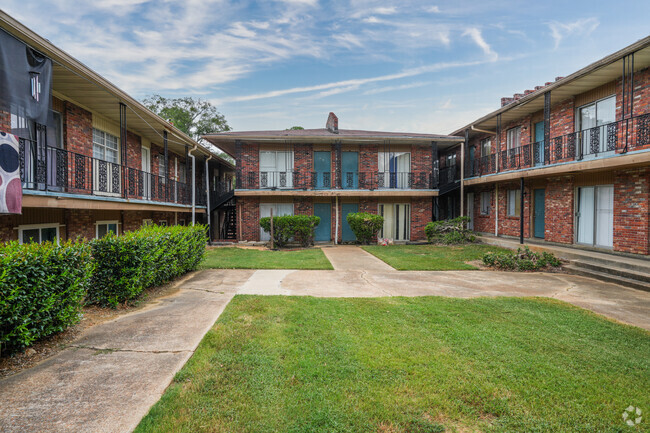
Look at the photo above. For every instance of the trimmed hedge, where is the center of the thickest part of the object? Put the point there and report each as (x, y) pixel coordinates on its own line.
(365, 226)
(522, 260)
(128, 264)
(299, 227)
(42, 287)
(450, 232)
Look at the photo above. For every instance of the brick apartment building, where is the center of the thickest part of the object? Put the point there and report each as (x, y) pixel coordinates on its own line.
(101, 161)
(331, 172)
(579, 150)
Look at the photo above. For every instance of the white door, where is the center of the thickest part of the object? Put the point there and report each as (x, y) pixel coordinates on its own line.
(596, 215)
(397, 221)
(470, 210)
(146, 169)
(279, 209)
(586, 215)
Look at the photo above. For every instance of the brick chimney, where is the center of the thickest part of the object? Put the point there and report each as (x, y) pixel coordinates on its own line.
(332, 124)
(505, 101)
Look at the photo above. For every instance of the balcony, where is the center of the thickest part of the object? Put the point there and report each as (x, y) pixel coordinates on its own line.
(58, 171)
(601, 141)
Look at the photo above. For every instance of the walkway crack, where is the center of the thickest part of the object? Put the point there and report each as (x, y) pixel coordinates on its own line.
(111, 350)
(364, 277)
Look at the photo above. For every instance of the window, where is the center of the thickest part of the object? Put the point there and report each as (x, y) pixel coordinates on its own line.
(276, 169)
(592, 120)
(105, 146)
(55, 130)
(514, 137)
(147, 222)
(514, 202)
(38, 233)
(485, 202)
(451, 159)
(162, 223)
(395, 167)
(486, 147)
(279, 209)
(103, 227)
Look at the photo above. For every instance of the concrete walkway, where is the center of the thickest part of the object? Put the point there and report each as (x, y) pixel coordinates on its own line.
(113, 374)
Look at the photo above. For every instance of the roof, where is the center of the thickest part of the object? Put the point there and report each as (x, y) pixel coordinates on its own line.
(75, 81)
(226, 140)
(601, 72)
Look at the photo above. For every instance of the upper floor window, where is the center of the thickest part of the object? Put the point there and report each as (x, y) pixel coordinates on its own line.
(486, 147)
(451, 159)
(276, 169)
(394, 169)
(513, 136)
(592, 120)
(105, 146)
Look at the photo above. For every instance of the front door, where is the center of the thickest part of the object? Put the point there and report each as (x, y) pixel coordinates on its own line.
(596, 215)
(538, 151)
(540, 212)
(350, 170)
(323, 232)
(323, 169)
(146, 169)
(346, 233)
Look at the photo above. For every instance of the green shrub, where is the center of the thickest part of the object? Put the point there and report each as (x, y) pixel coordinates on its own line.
(153, 255)
(365, 226)
(522, 260)
(453, 231)
(299, 227)
(42, 287)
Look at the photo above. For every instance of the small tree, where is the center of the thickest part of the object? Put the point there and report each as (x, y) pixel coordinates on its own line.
(365, 226)
(299, 227)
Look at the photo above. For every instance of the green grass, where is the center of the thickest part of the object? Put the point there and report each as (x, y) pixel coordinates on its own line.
(247, 258)
(430, 257)
(429, 364)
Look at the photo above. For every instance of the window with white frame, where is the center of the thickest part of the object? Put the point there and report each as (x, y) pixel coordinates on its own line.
(486, 147)
(593, 120)
(276, 169)
(105, 146)
(513, 136)
(38, 233)
(102, 228)
(485, 202)
(514, 202)
(396, 168)
(162, 223)
(147, 222)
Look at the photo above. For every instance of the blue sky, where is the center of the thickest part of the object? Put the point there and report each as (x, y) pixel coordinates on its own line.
(414, 66)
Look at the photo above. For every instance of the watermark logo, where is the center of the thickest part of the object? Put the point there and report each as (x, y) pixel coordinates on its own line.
(632, 416)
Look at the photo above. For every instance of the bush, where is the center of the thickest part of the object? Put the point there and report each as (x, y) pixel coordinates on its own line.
(453, 231)
(365, 226)
(42, 287)
(128, 264)
(299, 227)
(521, 260)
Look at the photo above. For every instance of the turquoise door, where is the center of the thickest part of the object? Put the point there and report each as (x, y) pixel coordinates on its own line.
(539, 213)
(346, 233)
(322, 168)
(350, 170)
(539, 143)
(323, 232)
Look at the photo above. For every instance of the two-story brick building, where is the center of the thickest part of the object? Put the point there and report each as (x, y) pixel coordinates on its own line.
(568, 162)
(100, 161)
(331, 172)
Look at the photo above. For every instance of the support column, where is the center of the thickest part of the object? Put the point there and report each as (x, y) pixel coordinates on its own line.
(166, 174)
(521, 211)
(435, 166)
(497, 155)
(547, 127)
(123, 133)
(338, 165)
(462, 173)
(238, 157)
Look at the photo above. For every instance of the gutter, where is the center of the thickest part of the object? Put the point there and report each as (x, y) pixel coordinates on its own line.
(473, 128)
(207, 201)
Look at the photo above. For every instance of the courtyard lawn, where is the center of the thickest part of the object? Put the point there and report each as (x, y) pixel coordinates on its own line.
(248, 258)
(429, 364)
(431, 257)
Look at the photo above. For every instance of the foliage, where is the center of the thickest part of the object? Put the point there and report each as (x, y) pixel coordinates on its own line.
(522, 260)
(450, 232)
(250, 258)
(128, 264)
(295, 128)
(365, 226)
(299, 227)
(195, 117)
(41, 289)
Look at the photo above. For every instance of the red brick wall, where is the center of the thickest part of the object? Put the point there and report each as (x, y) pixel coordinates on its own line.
(303, 158)
(631, 211)
(559, 209)
(368, 165)
(249, 163)
(133, 151)
(508, 225)
(170, 217)
(421, 211)
(7, 232)
(248, 218)
(483, 223)
(563, 118)
(80, 223)
(303, 206)
(78, 129)
(5, 121)
(132, 220)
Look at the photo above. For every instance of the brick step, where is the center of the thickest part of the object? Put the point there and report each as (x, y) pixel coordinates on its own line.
(608, 277)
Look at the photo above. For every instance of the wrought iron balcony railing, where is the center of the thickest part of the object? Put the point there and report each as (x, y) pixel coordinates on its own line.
(601, 141)
(46, 168)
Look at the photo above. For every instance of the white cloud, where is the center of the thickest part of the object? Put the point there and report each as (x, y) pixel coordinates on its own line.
(432, 9)
(396, 88)
(385, 10)
(476, 36)
(583, 26)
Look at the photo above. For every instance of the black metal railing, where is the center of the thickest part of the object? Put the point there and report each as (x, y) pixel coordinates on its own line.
(604, 140)
(47, 168)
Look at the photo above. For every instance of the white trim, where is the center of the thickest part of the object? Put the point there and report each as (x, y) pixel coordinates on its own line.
(24, 227)
(99, 223)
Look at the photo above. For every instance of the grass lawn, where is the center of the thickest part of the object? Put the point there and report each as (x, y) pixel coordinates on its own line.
(247, 258)
(430, 257)
(429, 364)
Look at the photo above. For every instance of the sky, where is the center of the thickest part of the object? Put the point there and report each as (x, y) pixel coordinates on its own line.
(408, 66)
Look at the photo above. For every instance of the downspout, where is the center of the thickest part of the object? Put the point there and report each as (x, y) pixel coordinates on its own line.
(521, 212)
(481, 130)
(207, 200)
(193, 182)
(462, 173)
(496, 209)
